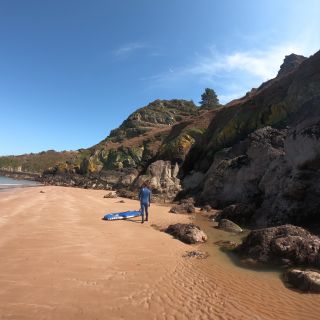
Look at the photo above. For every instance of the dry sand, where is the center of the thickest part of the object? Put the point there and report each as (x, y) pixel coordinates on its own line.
(59, 260)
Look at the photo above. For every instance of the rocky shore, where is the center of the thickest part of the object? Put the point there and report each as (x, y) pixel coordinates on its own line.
(256, 160)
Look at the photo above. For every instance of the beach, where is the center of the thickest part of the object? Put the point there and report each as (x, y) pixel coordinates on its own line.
(60, 260)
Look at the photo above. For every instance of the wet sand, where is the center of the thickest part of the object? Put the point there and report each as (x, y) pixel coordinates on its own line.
(59, 260)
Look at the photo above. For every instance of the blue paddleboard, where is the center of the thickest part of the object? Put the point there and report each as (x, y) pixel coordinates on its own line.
(122, 215)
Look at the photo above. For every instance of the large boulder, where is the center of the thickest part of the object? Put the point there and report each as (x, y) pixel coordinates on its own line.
(286, 244)
(162, 179)
(304, 280)
(188, 233)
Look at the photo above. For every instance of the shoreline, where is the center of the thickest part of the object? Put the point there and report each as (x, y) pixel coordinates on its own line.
(61, 261)
(18, 175)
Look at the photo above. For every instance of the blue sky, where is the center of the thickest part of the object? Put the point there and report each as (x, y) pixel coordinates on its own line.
(72, 70)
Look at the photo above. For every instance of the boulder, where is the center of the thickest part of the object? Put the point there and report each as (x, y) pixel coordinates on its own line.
(304, 280)
(227, 225)
(239, 213)
(162, 179)
(226, 244)
(283, 245)
(188, 233)
(185, 206)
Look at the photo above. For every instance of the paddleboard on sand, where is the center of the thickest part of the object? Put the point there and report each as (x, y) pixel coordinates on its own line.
(122, 215)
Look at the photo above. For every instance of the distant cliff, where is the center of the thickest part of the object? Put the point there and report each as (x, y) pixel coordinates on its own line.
(36, 162)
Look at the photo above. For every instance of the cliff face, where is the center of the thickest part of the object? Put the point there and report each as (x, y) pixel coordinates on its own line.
(264, 151)
(141, 138)
(162, 130)
(284, 101)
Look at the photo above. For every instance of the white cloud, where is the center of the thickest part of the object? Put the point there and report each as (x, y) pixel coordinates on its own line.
(128, 48)
(262, 65)
(235, 72)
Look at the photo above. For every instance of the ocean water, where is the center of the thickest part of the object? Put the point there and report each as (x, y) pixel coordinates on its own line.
(9, 183)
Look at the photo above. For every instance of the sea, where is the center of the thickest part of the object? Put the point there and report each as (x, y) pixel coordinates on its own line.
(9, 183)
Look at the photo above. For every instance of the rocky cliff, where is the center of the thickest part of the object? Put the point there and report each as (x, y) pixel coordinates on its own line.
(148, 146)
(257, 158)
(264, 151)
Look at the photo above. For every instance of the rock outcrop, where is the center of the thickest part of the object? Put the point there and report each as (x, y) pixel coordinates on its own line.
(188, 233)
(235, 173)
(283, 245)
(270, 178)
(290, 63)
(264, 151)
(161, 177)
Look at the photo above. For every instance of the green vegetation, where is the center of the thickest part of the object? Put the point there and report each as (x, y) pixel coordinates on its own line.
(157, 114)
(209, 99)
(36, 163)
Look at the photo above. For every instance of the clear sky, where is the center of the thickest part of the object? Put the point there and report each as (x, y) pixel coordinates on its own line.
(72, 70)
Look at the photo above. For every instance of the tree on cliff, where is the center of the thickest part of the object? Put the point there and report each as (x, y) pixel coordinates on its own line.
(209, 99)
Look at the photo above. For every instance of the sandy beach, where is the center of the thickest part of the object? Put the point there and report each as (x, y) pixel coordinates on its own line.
(59, 260)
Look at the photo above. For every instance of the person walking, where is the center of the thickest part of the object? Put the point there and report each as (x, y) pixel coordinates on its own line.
(145, 199)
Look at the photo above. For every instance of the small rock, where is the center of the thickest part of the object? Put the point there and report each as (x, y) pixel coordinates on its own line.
(227, 225)
(211, 215)
(42, 191)
(110, 195)
(188, 233)
(251, 263)
(127, 194)
(196, 254)
(304, 280)
(121, 201)
(226, 244)
(186, 206)
(206, 208)
(173, 210)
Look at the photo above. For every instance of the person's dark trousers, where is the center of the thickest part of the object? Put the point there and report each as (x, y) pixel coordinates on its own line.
(144, 209)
